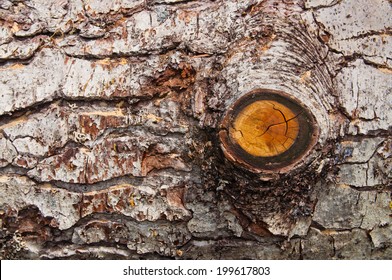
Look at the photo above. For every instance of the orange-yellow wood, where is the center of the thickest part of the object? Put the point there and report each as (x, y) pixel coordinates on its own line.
(265, 128)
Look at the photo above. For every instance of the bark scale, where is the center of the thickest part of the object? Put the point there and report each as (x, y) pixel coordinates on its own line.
(110, 116)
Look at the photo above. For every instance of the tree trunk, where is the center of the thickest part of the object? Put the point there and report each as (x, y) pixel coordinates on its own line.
(123, 133)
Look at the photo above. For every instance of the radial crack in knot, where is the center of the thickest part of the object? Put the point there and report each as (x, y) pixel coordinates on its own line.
(267, 130)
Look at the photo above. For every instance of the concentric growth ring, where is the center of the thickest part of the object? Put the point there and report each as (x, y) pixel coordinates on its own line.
(267, 130)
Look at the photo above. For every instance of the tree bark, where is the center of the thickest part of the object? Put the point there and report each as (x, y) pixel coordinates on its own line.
(112, 115)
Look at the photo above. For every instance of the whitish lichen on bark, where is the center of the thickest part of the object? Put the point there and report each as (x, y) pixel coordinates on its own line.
(109, 116)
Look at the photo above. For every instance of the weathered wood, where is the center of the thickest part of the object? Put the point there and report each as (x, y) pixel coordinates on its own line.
(110, 114)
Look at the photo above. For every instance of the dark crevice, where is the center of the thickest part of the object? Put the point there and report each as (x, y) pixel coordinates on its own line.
(376, 188)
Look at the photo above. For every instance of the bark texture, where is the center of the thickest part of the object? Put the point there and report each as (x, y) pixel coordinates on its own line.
(110, 115)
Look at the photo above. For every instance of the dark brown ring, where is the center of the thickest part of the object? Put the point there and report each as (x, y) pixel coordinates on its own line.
(305, 141)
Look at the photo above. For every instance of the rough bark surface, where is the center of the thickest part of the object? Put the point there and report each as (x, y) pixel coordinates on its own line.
(110, 114)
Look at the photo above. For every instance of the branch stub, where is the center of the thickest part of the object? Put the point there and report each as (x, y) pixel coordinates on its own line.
(268, 131)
